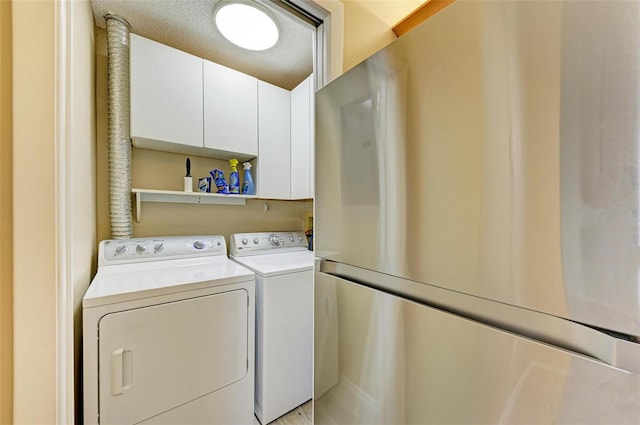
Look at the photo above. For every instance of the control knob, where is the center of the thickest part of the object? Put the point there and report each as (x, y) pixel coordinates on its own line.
(140, 249)
(199, 245)
(158, 247)
(291, 238)
(244, 241)
(120, 249)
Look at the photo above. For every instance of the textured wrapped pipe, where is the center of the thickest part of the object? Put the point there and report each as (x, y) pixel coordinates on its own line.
(119, 134)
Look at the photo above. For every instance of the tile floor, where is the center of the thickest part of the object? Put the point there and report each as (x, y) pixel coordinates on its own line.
(301, 415)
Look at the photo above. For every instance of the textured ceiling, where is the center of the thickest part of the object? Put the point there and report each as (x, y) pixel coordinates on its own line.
(188, 25)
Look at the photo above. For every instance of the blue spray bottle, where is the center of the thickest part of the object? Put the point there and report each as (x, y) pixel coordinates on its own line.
(234, 180)
(247, 184)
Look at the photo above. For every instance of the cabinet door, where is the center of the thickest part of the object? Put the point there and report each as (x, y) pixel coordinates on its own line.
(166, 95)
(274, 133)
(230, 110)
(302, 98)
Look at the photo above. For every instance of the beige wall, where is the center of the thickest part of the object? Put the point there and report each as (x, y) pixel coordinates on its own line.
(33, 132)
(389, 11)
(6, 219)
(162, 170)
(34, 212)
(54, 207)
(367, 26)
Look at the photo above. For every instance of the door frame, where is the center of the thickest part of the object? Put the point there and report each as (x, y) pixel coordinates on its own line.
(328, 52)
(326, 17)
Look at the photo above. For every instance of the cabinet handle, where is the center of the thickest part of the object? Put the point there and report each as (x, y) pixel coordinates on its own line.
(121, 371)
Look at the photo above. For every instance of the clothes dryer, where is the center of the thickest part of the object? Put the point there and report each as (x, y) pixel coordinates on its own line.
(283, 269)
(168, 332)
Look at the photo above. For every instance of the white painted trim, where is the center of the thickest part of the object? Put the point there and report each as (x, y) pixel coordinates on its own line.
(64, 286)
(332, 35)
(328, 43)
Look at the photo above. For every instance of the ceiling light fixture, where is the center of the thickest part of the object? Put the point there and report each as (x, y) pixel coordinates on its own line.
(248, 25)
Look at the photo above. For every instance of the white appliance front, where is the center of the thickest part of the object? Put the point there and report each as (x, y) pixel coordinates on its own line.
(176, 357)
(284, 344)
(178, 354)
(284, 320)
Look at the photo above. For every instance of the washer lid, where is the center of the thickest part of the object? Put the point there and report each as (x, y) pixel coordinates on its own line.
(268, 265)
(135, 281)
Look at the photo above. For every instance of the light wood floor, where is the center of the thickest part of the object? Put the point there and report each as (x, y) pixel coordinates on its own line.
(301, 415)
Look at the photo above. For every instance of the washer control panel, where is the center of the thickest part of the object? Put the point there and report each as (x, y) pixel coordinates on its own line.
(266, 242)
(122, 251)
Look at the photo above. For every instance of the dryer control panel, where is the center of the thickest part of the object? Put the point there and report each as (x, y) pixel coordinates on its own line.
(266, 242)
(122, 251)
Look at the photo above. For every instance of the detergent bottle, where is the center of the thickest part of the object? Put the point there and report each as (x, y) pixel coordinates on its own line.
(234, 180)
(247, 184)
(219, 181)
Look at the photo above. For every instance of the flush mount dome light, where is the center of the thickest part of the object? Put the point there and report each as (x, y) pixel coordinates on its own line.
(246, 25)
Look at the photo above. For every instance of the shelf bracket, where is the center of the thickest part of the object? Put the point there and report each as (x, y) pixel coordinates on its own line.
(138, 202)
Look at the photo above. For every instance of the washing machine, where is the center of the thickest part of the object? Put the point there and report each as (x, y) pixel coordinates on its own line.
(283, 269)
(168, 334)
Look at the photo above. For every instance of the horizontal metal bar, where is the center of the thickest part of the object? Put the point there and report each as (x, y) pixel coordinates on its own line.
(542, 327)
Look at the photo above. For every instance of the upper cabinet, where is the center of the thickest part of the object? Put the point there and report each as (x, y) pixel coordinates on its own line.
(166, 96)
(185, 104)
(230, 110)
(274, 151)
(302, 139)
(182, 103)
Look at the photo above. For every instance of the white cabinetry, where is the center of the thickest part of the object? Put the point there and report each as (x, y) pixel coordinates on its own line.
(185, 104)
(230, 111)
(273, 177)
(302, 139)
(285, 154)
(182, 103)
(166, 96)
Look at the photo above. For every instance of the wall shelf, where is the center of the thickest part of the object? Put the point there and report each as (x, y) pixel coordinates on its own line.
(173, 196)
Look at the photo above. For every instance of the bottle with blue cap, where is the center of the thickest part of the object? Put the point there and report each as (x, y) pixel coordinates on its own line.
(247, 184)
